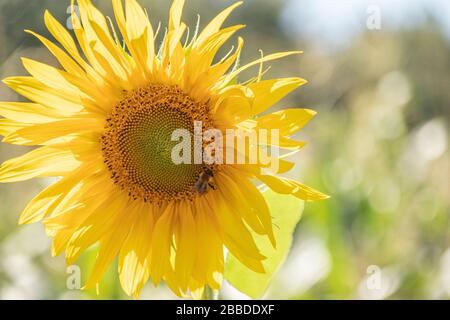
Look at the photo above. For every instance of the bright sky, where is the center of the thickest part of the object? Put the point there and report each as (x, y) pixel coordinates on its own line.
(335, 22)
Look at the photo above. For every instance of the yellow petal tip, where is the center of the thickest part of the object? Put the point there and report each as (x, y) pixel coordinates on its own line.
(311, 112)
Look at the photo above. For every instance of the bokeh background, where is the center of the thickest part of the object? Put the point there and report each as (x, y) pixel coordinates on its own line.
(379, 147)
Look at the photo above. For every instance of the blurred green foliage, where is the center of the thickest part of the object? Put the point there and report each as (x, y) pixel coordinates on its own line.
(379, 147)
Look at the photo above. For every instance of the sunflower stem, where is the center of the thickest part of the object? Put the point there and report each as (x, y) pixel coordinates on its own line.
(210, 294)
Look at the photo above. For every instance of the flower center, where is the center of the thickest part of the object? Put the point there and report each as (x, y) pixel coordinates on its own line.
(137, 143)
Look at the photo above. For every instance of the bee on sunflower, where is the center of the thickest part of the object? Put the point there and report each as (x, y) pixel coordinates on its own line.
(103, 124)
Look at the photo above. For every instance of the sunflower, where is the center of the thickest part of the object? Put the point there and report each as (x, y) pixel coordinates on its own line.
(102, 123)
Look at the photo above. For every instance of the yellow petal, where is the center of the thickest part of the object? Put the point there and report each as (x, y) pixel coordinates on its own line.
(236, 236)
(43, 133)
(234, 105)
(257, 204)
(100, 42)
(201, 58)
(269, 92)
(44, 95)
(209, 262)
(63, 226)
(134, 257)
(50, 198)
(274, 138)
(96, 225)
(93, 48)
(283, 165)
(63, 37)
(172, 55)
(172, 282)
(102, 45)
(31, 113)
(215, 24)
(186, 241)
(289, 186)
(138, 34)
(196, 289)
(120, 18)
(208, 79)
(232, 75)
(109, 247)
(172, 50)
(92, 45)
(8, 127)
(66, 62)
(289, 144)
(50, 76)
(95, 93)
(161, 244)
(42, 162)
(176, 11)
(80, 202)
(288, 121)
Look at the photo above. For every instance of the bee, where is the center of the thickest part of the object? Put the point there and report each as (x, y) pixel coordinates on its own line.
(204, 182)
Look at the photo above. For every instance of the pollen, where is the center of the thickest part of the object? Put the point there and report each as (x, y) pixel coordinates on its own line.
(137, 143)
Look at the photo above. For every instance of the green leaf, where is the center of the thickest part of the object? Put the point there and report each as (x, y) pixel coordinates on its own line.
(286, 211)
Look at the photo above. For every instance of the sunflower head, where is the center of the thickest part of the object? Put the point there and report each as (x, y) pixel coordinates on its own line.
(103, 123)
